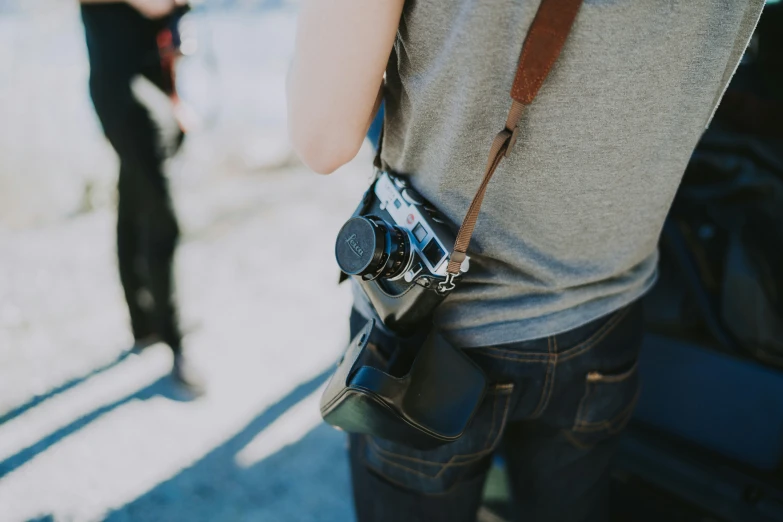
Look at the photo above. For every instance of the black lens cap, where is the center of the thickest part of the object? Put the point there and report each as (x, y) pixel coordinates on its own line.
(360, 246)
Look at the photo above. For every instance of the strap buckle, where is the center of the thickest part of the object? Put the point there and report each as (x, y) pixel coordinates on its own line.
(444, 287)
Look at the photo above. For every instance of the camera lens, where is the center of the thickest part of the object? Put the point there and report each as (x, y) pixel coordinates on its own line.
(372, 248)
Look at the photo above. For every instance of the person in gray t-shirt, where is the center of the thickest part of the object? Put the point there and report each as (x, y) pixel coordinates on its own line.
(567, 237)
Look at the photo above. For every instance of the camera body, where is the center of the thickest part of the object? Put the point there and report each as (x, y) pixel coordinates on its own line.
(397, 247)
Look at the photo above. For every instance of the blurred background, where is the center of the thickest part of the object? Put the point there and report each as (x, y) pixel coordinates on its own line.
(92, 431)
(89, 431)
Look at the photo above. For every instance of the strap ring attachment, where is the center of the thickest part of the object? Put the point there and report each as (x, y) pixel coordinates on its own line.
(444, 287)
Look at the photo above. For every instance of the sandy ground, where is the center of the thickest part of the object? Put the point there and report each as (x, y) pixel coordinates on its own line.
(88, 432)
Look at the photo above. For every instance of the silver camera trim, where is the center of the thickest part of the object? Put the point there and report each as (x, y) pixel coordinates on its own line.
(407, 216)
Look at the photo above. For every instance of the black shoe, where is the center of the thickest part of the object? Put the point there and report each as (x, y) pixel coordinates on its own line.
(184, 375)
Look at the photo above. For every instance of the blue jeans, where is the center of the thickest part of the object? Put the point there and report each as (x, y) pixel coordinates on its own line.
(554, 409)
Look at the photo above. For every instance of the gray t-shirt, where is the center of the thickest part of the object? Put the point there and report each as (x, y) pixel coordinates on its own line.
(569, 227)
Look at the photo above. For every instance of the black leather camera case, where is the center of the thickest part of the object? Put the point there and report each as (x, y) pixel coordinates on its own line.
(431, 405)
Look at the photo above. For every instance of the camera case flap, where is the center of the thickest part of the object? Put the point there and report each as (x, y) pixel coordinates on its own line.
(430, 405)
(402, 312)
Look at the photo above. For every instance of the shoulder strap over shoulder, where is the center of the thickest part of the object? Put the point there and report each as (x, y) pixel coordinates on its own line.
(542, 46)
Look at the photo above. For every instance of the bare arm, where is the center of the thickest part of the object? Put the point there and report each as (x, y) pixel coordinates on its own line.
(342, 48)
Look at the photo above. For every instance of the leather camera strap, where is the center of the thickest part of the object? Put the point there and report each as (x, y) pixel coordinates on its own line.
(542, 46)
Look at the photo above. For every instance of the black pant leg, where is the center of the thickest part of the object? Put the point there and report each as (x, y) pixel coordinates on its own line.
(129, 256)
(161, 233)
(122, 46)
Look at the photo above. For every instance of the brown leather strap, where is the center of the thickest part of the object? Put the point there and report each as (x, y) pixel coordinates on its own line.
(542, 46)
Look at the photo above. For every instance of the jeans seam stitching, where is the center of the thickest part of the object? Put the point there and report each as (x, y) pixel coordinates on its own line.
(407, 486)
(555, 360)
(492, 424)
(545, 391)
(474, 456)
(614, 379)
(596, 338)
(450, 461)
(580, 412)
(575, 441)
(611, 424)
(510, 352)
(544, 358)
(378, 470)
(590, 388)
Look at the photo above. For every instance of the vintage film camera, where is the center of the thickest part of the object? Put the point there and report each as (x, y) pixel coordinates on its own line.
(397, 247)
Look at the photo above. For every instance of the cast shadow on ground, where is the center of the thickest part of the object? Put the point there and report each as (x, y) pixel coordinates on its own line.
(163, 387)
(307, 481)
(38, 399)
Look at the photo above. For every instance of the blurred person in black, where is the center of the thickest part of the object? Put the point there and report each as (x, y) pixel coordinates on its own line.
(123, 42)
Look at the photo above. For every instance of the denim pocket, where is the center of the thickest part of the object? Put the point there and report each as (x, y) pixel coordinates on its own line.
(437, 471)
(606, 406)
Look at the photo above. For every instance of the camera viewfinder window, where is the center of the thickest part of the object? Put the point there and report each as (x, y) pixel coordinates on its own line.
(434, 253)
(420, 233)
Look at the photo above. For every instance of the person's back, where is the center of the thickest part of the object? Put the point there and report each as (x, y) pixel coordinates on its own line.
(570, 222)
(566, 239)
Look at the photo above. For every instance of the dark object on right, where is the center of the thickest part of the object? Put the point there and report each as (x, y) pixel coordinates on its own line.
(723, 240)
(709, 423)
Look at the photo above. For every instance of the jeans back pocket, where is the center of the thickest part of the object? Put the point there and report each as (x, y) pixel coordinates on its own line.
(607, 404)
(437, 471)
